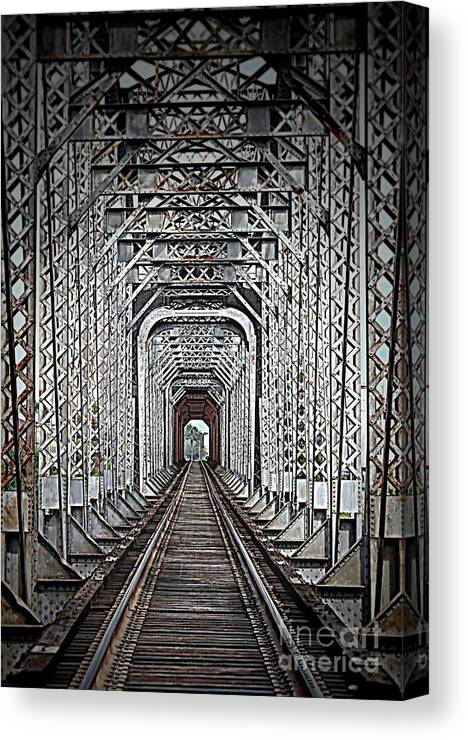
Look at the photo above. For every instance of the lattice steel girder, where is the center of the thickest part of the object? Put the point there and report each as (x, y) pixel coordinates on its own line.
(202, 153)
(208, 33)
(106, 185)
(215, 219)
(196, 357)
(200, 177)
(78, 213)
(219, 370)
(214, 389)
(344, 267)
(396, 222)
(189, 123)
(298, 188)
(197, 345)
(103, 85)
(222, 215)
(302, 85)
(150, 218)
(214, 371)
(19, 291)
(188, 257)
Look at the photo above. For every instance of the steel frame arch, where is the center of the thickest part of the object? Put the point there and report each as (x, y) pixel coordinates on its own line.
(161, 314)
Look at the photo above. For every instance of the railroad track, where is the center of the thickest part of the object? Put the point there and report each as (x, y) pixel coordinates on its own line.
(196, 607)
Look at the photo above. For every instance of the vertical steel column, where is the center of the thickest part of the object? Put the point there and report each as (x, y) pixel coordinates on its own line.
(345, 337)
(19, 309)
(397, 69)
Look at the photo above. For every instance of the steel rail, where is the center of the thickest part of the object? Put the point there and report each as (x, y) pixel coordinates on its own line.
(285, 634)
(101, 650)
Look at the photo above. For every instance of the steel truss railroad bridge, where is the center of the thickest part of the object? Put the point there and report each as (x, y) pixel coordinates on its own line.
(218, 215)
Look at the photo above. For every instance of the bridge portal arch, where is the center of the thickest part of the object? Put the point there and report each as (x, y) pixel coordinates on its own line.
(162, 314)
